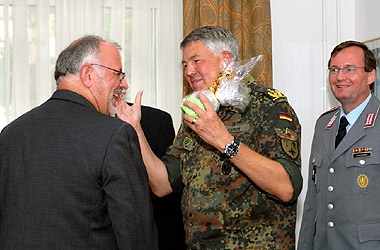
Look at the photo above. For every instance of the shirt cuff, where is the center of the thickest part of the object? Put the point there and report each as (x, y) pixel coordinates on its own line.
(174, 172)
(294, 175)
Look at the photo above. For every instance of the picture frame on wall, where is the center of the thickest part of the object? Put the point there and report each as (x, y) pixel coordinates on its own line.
(374, 46)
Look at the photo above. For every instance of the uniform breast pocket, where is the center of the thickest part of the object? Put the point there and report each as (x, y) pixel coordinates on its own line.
(316, 174)
(363, 172)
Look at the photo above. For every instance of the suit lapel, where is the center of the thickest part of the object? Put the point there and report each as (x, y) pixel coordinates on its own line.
(329, 134)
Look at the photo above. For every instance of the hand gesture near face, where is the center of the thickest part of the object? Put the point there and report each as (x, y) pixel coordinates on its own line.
(130, 114)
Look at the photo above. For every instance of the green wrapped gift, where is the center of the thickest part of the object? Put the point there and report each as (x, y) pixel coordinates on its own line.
(189, 111)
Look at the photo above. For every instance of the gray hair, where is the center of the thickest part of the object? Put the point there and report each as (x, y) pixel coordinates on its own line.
(217, 39)
(81, 51)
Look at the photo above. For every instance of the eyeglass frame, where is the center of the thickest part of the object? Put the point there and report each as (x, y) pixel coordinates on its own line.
(123, 74)
(344, 70)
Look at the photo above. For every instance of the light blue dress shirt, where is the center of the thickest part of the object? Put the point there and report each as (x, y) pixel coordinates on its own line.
(354, 114)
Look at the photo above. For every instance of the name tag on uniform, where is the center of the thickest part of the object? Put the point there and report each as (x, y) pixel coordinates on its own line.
(362, 152)
(238, 129)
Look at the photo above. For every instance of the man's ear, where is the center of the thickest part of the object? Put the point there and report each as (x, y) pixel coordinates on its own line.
(86, 71)
(227, 57)
(372, 76)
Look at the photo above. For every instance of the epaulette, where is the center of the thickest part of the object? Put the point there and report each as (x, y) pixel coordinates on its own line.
(329, 111)
(275, 94)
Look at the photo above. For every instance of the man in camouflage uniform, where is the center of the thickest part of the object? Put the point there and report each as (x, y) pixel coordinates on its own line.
(242, 197)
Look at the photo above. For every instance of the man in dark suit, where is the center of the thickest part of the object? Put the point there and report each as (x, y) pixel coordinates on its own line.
(159, 131)
(342, 203)
(71, 176)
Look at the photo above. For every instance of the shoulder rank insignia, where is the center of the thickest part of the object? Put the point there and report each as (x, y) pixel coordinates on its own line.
(289, 142)
(275, 94)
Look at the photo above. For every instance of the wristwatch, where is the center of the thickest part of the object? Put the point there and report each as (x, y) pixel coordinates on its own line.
(232, 148)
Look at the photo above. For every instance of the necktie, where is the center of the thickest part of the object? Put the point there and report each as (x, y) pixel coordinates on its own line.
(341, 131)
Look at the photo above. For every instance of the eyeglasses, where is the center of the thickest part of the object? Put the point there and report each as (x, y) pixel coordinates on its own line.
(348, 70)
(122, 74)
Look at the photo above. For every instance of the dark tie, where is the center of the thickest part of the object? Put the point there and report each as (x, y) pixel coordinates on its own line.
(341, 131)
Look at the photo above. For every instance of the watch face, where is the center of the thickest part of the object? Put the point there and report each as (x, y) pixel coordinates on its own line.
(231, 149)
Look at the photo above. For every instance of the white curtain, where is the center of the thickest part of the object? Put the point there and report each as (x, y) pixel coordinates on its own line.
(34, 32)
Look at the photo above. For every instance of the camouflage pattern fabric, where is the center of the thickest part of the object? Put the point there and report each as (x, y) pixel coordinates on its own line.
(222, 209)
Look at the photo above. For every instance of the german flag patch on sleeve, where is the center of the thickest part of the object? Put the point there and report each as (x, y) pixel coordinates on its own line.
(286, 117)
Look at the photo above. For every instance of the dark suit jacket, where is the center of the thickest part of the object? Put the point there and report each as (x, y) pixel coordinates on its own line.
(73, 178)
(159, 131)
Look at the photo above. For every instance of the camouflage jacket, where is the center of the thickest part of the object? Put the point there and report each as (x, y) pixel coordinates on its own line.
(222, 209)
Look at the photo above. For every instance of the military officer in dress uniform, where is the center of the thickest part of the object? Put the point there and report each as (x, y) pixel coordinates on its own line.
(342, 206)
